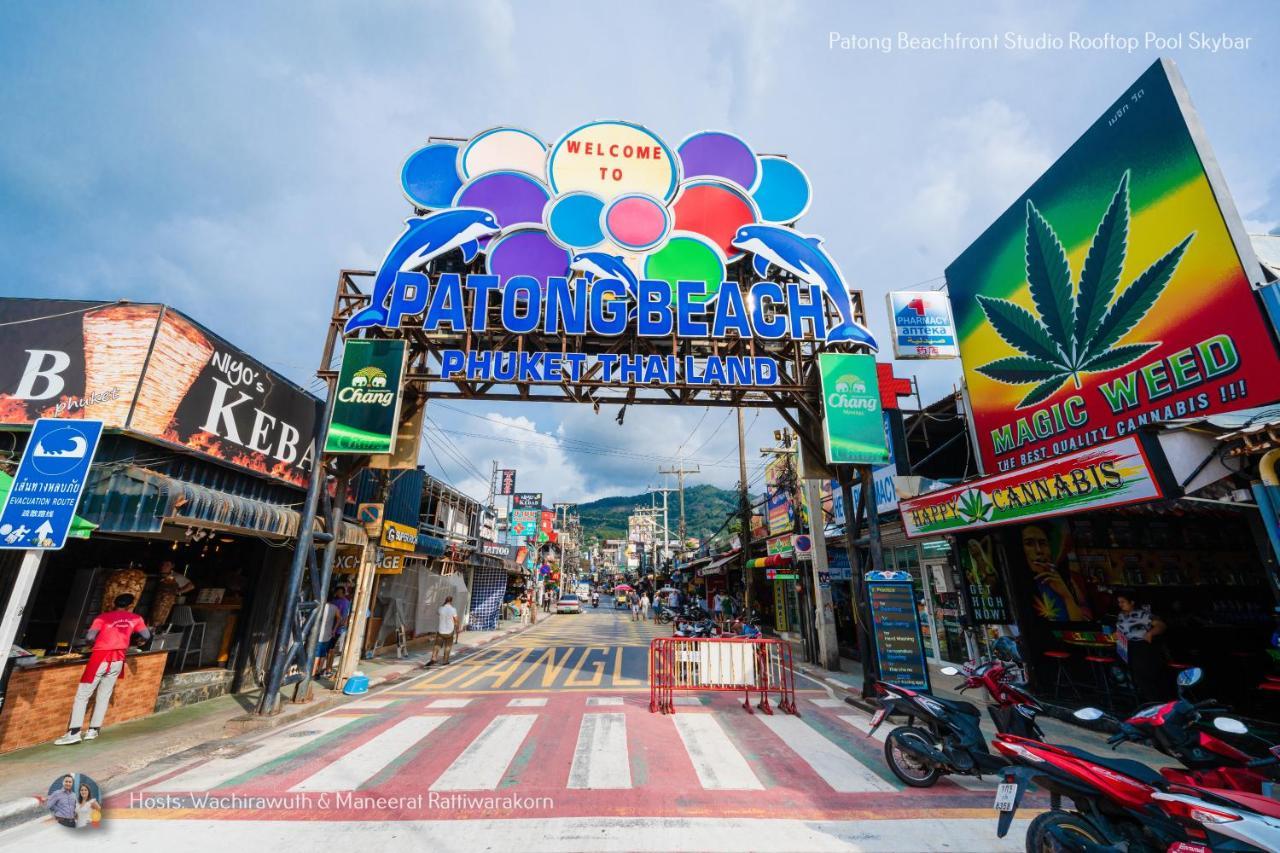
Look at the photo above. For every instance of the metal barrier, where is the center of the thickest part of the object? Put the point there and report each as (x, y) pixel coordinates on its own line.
(721, 664)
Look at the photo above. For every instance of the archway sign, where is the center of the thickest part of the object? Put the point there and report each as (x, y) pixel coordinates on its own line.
(607, 266)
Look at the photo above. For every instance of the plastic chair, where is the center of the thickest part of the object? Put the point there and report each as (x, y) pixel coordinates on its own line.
(1102, 665)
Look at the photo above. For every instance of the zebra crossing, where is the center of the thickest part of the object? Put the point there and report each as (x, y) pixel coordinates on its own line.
(580, 749)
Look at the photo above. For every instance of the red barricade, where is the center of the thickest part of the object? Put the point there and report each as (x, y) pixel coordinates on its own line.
(722, 664)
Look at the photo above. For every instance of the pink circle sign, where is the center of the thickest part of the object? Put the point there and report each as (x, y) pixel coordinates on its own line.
(636, 221)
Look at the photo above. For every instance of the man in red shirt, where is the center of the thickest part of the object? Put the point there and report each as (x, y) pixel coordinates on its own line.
(110, 633)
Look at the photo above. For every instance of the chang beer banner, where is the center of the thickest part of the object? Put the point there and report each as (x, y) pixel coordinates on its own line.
(1116, 292)
(366, 411)
(1109, 475)
(853, 426)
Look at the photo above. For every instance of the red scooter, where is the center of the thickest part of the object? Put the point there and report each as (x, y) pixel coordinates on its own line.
(1177, 729)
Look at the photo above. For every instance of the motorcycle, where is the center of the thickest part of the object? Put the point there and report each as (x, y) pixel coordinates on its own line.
(1176, 729)
(595, 599)
(950, 739)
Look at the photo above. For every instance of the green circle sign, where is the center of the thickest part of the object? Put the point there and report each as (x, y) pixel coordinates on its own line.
(688, 257)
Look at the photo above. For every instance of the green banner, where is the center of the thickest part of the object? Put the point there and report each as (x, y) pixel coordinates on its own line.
(853, 426)
(366, 410)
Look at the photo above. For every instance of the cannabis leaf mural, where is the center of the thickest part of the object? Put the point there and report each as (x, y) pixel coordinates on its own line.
(973, 506)
(1079, 326)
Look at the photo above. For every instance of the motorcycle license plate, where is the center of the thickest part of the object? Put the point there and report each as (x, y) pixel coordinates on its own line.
(1005, 794)
(877, 718)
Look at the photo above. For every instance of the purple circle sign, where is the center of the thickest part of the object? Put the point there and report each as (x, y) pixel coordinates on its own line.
(527, 251)
(514, 197)
(717, 154)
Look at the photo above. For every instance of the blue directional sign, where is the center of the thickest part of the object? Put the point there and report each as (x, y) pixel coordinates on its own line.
(51, 477)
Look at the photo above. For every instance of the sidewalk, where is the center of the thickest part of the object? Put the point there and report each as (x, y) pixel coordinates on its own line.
(847, 685)
(182, 734)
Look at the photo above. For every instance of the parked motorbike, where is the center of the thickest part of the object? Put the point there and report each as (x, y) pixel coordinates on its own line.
(949, 740)
(1178, 730)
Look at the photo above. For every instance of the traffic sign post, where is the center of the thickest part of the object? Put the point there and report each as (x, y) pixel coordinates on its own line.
(40, 508)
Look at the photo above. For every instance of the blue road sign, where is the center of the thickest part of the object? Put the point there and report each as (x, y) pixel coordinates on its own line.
(51, 477)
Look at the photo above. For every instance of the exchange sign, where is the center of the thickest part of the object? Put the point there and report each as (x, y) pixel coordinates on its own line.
(1115, 293)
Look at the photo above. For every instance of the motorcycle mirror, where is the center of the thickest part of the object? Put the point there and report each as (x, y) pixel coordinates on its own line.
(949, 670)
(1230, 725)
(1190, 676)
(1089, 714)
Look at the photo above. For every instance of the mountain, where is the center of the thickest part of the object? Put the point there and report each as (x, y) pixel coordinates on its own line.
(705, 508)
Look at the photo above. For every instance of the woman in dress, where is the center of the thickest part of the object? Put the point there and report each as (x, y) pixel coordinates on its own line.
(86, 805)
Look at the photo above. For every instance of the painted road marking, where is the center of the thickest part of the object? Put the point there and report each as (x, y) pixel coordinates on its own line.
(717, 761)
(828, 703)
(605, 700)
(600, 760)
(449, 703)
(219, 771)
(367, 703)
(484, 762)
(688, 700)
(837, 768)
(533, 702)
(351, 770)
(863, 724)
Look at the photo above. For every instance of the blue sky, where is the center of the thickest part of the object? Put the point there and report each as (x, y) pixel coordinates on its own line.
(229, 159)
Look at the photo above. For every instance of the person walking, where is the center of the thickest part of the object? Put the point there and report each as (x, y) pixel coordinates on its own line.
(328, 633)
(1137, 643)
(644, 607)
(447, 628)
(633, 601)
(110, 633)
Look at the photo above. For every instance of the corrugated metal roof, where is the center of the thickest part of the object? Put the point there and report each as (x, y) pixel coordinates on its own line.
(1267, 248)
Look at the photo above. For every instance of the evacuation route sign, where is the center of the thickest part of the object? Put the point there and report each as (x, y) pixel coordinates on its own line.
(46, 490)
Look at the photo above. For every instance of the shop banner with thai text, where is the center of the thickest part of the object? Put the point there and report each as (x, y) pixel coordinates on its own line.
(1112, 474)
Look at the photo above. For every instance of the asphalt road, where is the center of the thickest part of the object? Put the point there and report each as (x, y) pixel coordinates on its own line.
(546, 742)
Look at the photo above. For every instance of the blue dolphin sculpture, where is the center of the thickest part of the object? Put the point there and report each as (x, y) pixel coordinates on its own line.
(602, 265)
(424, 238)
(802, 256)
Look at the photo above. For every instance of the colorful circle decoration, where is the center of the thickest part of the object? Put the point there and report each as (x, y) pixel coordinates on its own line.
(526, 251)
(430, 176)
(715, 209)
(573, 220)
(688, 257)
(515, 198)
(636, 221)
(613, 158)
(783, 193)
(504, 149)
(715, 154)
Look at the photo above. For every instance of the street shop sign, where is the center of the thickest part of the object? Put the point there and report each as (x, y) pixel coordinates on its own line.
(508, 480)
(366, 406)
(148, 370)
(400, 537)
(527, 500)
(46, 489)
(1113, 474)
(497, 549)
(895, 629)
(1118, 291)
(853, 423)
(922, 325)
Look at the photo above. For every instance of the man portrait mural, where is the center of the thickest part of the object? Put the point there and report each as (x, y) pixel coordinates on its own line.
(1061, 594)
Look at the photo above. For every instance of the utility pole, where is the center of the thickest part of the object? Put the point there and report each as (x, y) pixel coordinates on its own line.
(666, 523)
(744, 509)
(679, 470)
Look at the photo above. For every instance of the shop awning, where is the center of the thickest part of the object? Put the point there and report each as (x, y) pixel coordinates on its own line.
(137, 500)
(716, 566)
(772, 561)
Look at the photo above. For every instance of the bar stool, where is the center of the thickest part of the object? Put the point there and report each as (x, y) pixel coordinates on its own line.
(1102, 664)
(1062, 677)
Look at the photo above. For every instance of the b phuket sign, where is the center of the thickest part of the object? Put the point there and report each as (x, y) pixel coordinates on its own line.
(609, 231)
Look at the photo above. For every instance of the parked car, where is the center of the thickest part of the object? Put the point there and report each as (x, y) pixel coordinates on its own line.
(568, 604)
